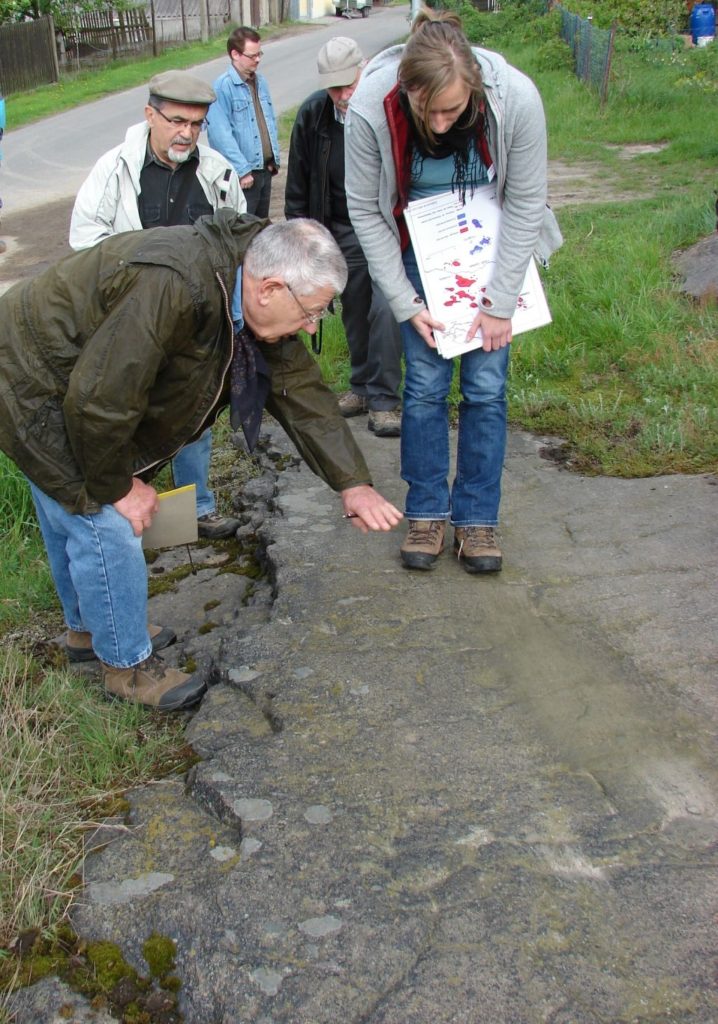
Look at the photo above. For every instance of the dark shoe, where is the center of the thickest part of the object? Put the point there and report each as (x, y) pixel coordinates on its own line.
(423, 543)
(477, 548)
(351, 404)
(78, 646)
(215, 527)
(385, 422)
(154, 684)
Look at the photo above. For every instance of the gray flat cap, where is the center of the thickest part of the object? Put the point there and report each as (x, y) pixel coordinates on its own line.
(182, 87)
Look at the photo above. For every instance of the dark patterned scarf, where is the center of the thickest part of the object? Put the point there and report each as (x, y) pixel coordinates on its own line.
(465, 135)
(248, 386)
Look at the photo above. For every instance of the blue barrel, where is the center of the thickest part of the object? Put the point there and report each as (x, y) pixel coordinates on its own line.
(703, 24)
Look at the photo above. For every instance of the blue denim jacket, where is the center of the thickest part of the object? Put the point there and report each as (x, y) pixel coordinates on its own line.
(232, 124)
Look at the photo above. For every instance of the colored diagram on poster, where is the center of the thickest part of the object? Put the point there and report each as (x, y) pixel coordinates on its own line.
(455, 246)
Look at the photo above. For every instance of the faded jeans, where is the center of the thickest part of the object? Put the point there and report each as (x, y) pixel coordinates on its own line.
(191, 466)
(475, 494)
(100, 576)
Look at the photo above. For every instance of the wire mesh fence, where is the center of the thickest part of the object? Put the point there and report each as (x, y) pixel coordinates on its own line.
(592, 50)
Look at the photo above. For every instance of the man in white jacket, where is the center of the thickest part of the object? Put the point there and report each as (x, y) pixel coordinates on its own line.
(160, 177)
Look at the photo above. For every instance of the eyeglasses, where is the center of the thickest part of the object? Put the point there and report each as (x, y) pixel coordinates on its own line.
(253, 56)
(182, 122)
(310, 318)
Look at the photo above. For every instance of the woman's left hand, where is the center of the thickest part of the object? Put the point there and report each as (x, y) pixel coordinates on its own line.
(495, 331)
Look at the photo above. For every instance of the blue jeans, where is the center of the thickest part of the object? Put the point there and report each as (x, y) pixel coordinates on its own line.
(100, 576)
(259, 195)
(191, 466)
(476, 491)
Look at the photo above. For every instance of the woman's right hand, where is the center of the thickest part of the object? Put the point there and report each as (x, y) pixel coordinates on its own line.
(424, 325)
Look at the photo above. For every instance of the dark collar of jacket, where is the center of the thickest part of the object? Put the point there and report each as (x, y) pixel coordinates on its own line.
(320, 106)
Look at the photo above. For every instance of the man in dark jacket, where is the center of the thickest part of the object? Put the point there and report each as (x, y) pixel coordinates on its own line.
(315, 188)
(117, 356)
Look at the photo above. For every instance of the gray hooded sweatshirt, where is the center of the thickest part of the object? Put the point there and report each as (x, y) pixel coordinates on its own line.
(516, 137)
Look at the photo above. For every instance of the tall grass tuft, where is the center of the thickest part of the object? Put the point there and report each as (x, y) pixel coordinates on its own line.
(26, 591)
(65, 752)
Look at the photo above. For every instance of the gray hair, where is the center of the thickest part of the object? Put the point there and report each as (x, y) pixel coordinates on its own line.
(302, 252)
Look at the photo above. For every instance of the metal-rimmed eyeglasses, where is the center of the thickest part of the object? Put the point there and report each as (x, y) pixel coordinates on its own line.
(182, 122)
(253, 56)
(310, 318)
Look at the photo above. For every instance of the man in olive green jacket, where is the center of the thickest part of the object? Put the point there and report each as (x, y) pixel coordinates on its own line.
(117, 356)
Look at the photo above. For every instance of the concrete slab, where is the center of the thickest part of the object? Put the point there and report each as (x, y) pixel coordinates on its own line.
(430, 797)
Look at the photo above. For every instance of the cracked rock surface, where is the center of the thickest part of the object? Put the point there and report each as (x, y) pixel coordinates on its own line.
(427, 798)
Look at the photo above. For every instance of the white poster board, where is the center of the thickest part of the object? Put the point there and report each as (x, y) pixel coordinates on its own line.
(455, 248)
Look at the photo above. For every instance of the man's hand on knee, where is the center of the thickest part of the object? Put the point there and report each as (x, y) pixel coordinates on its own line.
(138, 506)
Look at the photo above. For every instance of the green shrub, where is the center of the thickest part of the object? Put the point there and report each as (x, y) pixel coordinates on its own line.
(516, 24)
(553, 55)
(639, 17)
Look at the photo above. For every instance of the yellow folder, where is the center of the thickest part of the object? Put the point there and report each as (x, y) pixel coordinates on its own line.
(176, 521)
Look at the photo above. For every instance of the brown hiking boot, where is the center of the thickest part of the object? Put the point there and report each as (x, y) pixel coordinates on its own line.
(78, 646)
(423, 543)
(217, 527)
(385, 422)
(477, 548)
(351, 404)
(154, 684)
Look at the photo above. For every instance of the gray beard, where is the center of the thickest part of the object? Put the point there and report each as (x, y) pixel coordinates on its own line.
(179, 156)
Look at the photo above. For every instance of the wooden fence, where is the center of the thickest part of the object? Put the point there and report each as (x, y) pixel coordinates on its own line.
(28, 55)
(34, 53)
(108, 33)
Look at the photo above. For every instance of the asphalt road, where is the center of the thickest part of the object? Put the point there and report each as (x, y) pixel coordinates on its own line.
(50, 159)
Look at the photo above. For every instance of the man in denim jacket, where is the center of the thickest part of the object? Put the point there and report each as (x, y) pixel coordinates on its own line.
(242, 125)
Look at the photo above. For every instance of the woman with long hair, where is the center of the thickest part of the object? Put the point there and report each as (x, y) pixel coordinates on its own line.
(433, 116)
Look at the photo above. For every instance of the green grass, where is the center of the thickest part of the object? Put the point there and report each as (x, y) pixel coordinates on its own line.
(633, 387)
(26, 592)
(334, 356)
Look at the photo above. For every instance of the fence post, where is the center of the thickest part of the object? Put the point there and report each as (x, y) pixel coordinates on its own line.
(607, 67)
(154, 28)
(53, 48)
